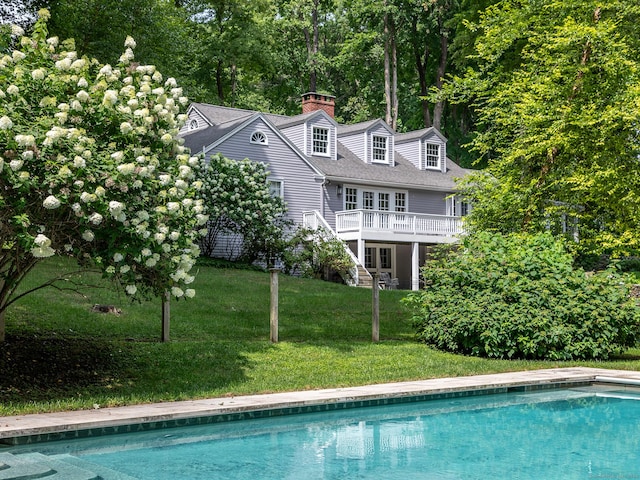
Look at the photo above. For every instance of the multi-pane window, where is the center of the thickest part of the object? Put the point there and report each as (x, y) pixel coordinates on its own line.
(383, 201)
(370, 257)
(432, 155)
(276, 188)
(320, 140)
(367, 200)
(385, 258)
(350, 198)
(355, 198)
(380, 149)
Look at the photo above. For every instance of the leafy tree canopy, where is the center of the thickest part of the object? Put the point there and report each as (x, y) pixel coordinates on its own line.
(90, 166)
(556, 89)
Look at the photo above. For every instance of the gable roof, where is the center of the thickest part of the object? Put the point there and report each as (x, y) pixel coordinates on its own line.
(208, 138)
(347, 167)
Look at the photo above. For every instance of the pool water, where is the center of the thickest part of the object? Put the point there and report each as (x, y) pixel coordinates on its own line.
(580, 433)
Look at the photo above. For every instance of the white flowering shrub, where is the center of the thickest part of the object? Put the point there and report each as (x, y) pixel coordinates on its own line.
(239, 201)
(90, 166)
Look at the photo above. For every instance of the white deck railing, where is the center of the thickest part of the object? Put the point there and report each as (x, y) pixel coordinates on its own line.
(398, 222)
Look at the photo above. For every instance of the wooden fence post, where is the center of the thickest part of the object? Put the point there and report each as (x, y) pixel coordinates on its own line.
(274, 305)
(166, 316)
(375, 320)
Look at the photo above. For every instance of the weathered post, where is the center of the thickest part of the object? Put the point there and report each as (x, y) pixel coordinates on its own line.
(375, 321)
(274, 305)
(166, 316)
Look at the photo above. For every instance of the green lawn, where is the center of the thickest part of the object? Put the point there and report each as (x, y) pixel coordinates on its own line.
(61, 356)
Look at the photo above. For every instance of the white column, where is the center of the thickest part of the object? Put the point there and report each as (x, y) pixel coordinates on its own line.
(415, 266)
(361, 251)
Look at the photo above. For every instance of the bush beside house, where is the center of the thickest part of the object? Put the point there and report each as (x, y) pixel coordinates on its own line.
(519, 296)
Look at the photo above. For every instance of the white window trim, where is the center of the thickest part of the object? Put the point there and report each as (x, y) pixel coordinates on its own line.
(424, 156)
(256, 133)
(386, 149)
(271, 180)
(328, 132)
(392, 198)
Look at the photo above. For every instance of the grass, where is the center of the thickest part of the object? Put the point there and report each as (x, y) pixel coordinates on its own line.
(59, 355)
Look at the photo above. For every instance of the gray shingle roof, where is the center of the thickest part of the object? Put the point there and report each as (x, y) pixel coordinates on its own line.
(348, 167)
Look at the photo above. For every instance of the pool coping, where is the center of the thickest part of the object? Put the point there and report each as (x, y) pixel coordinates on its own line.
(32, 428)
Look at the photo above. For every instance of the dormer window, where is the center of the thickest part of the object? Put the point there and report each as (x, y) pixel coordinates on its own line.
(320, 141)
(380, 150)
(193, 124)
(259, 138)
(432, 156)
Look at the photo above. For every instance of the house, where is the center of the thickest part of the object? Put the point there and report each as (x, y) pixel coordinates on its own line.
(389, 196)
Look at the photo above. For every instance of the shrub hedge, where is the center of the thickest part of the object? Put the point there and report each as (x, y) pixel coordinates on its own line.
(519, 296)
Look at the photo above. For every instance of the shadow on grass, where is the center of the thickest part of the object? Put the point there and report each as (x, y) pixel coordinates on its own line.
(48, 367)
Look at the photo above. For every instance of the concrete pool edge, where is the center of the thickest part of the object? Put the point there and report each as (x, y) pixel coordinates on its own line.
(50, 426)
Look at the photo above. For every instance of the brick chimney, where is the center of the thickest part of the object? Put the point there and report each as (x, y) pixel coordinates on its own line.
(317, 101)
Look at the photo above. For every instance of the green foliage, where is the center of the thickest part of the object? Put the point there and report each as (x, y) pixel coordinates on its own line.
(91, 167)
(317, 254)
(242, 207)
(555, 89)
(519, 296)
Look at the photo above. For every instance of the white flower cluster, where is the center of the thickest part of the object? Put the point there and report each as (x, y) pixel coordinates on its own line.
(105, 152)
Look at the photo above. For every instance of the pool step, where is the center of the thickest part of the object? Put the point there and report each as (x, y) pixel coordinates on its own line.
(32, 466)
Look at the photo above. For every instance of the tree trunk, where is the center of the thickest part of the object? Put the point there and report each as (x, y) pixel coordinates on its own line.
(312, 41)
(234, 84)
(220, 86)
(442, 68)
(394, 73)
(421, 67)
(387, 71)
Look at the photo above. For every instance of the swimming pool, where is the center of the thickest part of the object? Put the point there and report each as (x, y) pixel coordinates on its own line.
(581, 432)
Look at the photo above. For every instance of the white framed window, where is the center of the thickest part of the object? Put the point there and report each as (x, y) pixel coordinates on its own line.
(457, 207)
(193, 124)
(276, 188)
(384, 200)
(320, 141)
(350, 198)
(432, 156)
(379, 149)
(258, 137)
(367, 200)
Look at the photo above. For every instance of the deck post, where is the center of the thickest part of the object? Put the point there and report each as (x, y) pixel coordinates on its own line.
(415, 266)
(273, 323)
(375, 320)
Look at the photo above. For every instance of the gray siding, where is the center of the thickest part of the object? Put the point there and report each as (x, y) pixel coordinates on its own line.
(295, 134)
(410, 151)
(427, 202)
(301, 190)
(355, 143)
(332, 204)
